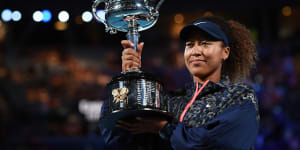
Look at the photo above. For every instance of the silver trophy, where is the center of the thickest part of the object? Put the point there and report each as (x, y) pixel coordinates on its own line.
(133, 93)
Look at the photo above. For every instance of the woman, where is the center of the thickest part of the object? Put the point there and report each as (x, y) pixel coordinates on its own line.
(215, 111)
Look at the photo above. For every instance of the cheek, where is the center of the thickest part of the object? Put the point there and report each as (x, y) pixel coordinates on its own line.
(209, 52)
(186, 56)
(214, 57)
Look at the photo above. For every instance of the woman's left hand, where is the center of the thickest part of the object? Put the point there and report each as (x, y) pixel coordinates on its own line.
(142, 125)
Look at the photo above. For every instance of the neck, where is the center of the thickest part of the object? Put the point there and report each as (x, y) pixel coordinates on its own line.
(202, 80)
(214, 77)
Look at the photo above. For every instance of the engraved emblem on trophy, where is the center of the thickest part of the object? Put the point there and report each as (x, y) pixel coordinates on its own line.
(120, 95)
(133, 93)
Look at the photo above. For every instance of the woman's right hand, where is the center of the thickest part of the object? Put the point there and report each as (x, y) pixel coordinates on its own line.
(130, 57)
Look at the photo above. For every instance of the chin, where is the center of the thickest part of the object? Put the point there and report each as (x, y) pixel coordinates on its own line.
(198, 73)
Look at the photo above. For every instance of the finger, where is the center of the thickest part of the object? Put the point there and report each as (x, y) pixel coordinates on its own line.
(122, 126)
(130, 51)
(124, 123)
(131, 58)
(137, 129)
(127, 44)
(140, 48)
(129, 64)
(128, 67)
(130, 124)
(149, 120)
(141, 129)
(127, 127)
(124, 69)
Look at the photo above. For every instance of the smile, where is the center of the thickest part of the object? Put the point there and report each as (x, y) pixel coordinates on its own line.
(197, 61)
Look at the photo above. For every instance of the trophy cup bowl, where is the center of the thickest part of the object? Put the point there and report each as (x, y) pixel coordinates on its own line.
(133, 93)
(119, 12)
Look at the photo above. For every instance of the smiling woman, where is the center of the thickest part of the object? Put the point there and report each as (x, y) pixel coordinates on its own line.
(216, 110)
(204, 56)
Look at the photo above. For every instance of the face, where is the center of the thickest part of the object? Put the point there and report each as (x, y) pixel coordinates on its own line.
(204, 56)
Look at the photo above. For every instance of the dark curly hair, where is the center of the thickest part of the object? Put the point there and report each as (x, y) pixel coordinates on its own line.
(243, 55)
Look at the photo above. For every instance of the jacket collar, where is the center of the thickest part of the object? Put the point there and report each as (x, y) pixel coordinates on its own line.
(223, 83)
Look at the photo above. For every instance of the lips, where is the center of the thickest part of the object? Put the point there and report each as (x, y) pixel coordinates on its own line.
(196, 61)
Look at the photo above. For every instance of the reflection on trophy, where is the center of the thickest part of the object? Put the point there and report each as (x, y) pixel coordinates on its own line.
(134, 92)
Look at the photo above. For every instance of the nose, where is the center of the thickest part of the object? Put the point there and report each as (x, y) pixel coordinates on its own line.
(197, 50)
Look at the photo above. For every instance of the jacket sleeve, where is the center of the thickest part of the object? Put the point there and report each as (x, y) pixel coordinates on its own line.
(235, 128)
(117, 139)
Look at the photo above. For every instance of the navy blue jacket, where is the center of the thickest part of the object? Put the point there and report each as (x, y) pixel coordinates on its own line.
(223, 116)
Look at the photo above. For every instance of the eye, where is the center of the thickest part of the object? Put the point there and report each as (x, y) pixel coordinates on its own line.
(205, 43)
(189, 44)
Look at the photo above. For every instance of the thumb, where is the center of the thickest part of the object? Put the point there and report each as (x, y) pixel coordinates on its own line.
(127, 44)
(140, 48)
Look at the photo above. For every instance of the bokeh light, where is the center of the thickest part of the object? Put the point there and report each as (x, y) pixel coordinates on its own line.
(87, 16)
(60, 26)
(6, 15)
(208, 13)
(178, 18)
(47, 15)
(286, 11)
(63, 16)
(78, 20)
(3, 31)
(37, 16)
(16, 15)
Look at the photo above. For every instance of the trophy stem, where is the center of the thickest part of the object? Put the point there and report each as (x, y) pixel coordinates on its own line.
(133, 36)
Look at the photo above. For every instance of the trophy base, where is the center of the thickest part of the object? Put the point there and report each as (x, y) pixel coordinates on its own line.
(110, 121)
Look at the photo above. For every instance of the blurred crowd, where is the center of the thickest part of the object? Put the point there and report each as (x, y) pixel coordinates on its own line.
(277, 84)
(40, 89)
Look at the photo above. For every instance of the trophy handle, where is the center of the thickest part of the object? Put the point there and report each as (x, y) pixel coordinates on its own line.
(94, 10)
(159, 4)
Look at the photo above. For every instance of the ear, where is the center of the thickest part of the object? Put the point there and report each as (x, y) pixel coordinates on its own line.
(226, 52)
